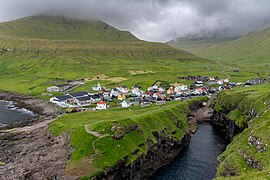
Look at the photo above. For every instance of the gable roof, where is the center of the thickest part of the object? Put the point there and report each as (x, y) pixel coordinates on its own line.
(84, 98)
(100, 103)
(63, 98)
(95, 96)
(64, 85)
(127, 101)
(78, 94)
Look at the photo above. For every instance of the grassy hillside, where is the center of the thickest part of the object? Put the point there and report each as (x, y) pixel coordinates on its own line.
(61, 28)
(38, 51)
(249, 53)
(92, 154)
(239, 103)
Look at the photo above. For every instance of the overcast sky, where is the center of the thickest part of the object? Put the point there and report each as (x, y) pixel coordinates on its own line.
(154, 20)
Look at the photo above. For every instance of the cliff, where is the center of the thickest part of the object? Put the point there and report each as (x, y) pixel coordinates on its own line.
(159, 153)
(131, 146)
(244, 114)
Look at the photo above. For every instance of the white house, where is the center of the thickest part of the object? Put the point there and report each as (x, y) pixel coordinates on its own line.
(226, 80)
(53, 89)
(59, 88)
(220, 82)
(126, 104)
(101, 105)
(97, 87)
(124, 90)
(62, 101)
(161, 90)
(115, 92)
(137, 92)
(199, 83)
(181, 88)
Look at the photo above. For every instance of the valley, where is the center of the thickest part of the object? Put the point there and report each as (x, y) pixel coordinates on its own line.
(40, 52)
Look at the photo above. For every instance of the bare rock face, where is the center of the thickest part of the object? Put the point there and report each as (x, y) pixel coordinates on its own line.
(38, 106)
(158, 155)
(35, 155)
(230, 128)
(257, 143)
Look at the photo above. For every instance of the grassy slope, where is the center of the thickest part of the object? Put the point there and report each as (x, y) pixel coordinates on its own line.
(239, 102)
(61, 28)
(249, 53)
(108, 150)
(39, 55)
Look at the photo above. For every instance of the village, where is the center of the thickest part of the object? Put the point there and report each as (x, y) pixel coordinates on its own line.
(101, 98)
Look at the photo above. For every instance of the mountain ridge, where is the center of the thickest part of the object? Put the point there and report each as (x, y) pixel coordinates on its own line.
(63, 28)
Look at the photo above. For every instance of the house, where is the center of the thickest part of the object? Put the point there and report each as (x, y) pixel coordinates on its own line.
(155, 88)
(200, 91)
(95, 98)
(198, 83)
(115, 92)
(121, 96)
(78, 94)
(136, 92)
(137, 101)
(101, 106)
(254, 82)
(124, 90)
(181, 88)
(160, 101)
(83, 101)
(212, 78)
(59, 88)
(136, 86)
(125, 104)
(145, 103)
(161, 90)
(226, 80)
(170, 90)
(156, 95)
(61, 100)
(97, 87)
(53, 89)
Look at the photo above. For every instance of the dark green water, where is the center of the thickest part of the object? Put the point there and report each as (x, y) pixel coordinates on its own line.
(10, 114)
(199, 160)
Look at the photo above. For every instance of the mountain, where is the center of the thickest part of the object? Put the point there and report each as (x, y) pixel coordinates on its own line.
(39, 51)
(249, 52)
(62, 28)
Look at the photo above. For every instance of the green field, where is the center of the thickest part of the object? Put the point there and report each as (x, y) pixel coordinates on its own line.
(238, 104)
(249, 53)
(92, 154)
(40, 51)
(37, 52)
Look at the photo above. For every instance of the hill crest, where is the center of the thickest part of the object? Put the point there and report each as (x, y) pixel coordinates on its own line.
(63, 28)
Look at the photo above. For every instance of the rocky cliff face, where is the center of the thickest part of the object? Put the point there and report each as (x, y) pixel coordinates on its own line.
(244, 112)
(229, 127)
(159, 154)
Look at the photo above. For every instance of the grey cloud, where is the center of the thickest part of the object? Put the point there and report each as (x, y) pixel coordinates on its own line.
(154, 20)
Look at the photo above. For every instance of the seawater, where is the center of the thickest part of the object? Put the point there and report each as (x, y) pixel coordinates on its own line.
(199, 160)
(9, 113)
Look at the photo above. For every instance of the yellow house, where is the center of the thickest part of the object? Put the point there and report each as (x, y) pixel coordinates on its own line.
(121, 96)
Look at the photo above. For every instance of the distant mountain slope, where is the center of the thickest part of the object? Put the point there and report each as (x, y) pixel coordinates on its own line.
(40, 51)
(250, 51)
(47, 27)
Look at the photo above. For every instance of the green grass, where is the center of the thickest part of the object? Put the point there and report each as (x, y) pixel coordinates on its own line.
(250, 53)
(108, 150)
(37, 58)
(238, 103)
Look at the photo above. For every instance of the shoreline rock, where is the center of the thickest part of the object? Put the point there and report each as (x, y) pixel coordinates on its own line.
(42, 108)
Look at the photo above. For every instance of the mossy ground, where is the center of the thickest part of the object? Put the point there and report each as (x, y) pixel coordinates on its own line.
(238, 103)
(103, 152)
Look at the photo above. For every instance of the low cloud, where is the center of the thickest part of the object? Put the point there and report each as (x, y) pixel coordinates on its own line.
(155, 20)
